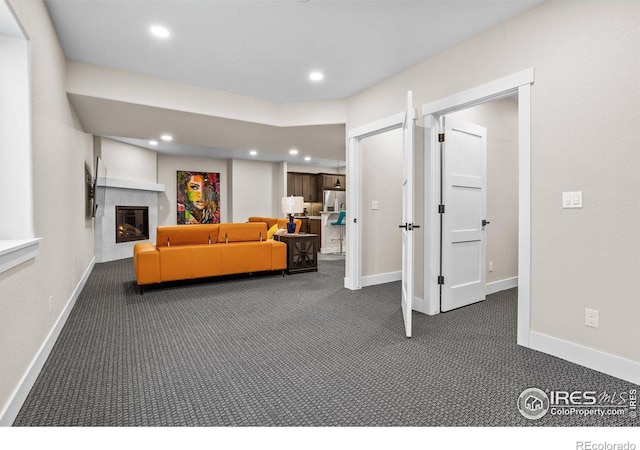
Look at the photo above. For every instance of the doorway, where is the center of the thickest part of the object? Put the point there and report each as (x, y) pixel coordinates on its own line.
(404, 121)
(490, 210)
(520, 84)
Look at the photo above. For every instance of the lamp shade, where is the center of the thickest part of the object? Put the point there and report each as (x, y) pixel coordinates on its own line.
(292, 205)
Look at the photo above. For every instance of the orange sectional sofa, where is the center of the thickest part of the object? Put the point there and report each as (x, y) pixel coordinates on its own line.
(197, 251)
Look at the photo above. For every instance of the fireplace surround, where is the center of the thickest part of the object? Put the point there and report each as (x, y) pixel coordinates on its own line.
(119, 193)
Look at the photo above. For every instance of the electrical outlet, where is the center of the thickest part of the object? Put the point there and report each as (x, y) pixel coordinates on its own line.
(490, 266)
(50, 303)
(374, 204)
(591, 318)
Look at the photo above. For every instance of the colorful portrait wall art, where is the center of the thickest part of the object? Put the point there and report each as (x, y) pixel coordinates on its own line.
(198, 197)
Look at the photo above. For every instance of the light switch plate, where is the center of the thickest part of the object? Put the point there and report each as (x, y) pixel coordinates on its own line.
(374, 204)
(572, 199)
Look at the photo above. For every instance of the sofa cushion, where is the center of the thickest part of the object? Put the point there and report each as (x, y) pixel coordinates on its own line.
(245, 257)
(270, 221)
(186, 235)
(205, 260)
(175, 263)
(242, 232)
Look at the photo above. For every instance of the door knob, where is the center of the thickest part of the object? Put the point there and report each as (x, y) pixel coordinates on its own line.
(484, 222)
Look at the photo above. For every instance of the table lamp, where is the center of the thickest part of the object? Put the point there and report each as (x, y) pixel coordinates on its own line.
(292, 205)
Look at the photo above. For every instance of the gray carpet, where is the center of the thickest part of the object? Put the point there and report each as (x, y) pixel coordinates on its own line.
(292, 351)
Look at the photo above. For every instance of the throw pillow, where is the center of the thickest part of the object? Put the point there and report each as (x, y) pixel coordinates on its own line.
(271, 232)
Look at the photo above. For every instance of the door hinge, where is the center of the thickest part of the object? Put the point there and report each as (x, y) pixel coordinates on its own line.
(441, 137)
(440, 209)
(440, 279)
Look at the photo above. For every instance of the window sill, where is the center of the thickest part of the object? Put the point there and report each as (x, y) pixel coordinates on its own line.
(16, 251)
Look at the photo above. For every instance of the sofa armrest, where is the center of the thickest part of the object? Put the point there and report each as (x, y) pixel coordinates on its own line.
(146, 263)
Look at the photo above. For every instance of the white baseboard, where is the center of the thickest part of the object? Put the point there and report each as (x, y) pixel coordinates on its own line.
(418, 304)
(371, 280)
(501, 285)
(422, 306)
(20, 393)
(336, 249)
(613, 365)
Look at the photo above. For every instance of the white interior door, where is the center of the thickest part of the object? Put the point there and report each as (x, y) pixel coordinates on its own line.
(464, 196)
(407, 224)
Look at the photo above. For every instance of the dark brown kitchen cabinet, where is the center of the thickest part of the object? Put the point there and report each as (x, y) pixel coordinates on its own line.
(329, 182)
(315, 227)
(294, 184)
(310, 187)
(303, 185)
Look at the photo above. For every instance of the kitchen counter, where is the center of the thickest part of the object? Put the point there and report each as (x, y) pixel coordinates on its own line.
(331, 233)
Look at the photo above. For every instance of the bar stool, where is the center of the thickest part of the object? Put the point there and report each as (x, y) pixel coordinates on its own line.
(340, 222)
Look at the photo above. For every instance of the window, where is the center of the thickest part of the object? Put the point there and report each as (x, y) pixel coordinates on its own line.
(17, 239)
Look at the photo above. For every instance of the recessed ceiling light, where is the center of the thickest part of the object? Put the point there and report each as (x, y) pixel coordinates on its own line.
(293, 151)
(153, 142)
(307, 158)
(159, 31)
(316, 76)
(253, 152)
(166, 137)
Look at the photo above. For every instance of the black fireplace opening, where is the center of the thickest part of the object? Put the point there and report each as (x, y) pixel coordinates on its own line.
(132, 223)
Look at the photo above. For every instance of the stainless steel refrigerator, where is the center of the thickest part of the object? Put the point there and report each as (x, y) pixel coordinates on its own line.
(334, 200)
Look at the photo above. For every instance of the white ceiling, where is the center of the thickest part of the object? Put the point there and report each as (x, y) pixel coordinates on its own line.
(263, 49)
(266, 49)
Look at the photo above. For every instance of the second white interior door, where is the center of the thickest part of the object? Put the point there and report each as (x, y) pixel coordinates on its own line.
(464, 189)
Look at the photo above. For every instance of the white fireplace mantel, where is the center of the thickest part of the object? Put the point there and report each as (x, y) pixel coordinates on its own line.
(130, 184)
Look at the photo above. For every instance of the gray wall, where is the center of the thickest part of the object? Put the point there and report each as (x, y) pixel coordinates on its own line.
(585, 136)
(60, 151)
(252, 185)
(129, 162)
